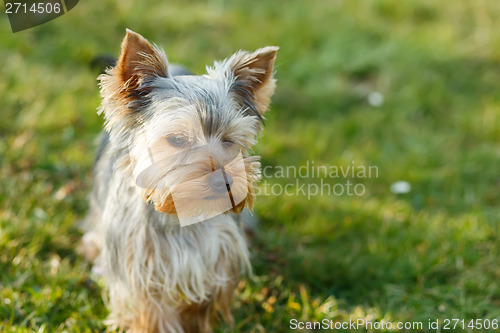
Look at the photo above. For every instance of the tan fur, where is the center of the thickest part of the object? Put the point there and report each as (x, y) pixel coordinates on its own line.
(200, 317)
(167, 206)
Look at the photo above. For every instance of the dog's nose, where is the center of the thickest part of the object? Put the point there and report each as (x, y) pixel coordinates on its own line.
(220, 182)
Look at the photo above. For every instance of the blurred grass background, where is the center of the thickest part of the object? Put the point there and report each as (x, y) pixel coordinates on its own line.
(428, 254)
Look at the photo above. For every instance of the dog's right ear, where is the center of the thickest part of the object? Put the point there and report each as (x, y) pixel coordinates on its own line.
(138, 60)
(124, 87)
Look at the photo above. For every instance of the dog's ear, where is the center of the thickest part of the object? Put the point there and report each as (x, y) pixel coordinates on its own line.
(124, 87)
(253, 75)
(138, 60)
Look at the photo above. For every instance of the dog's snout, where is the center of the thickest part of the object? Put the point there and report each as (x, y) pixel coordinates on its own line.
(220, 182)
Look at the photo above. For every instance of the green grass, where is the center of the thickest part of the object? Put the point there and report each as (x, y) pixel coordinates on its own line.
(428, 254)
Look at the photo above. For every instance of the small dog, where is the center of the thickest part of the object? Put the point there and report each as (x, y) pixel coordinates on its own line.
(173, 168)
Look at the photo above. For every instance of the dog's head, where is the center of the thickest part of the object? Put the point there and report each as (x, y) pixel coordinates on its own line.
(189, 138)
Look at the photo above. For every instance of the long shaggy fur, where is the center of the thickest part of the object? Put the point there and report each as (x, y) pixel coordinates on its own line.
(162, 277)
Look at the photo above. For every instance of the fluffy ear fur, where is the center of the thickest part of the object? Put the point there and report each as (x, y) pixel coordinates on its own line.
(122, 87)
(254, 81)
(139, 59)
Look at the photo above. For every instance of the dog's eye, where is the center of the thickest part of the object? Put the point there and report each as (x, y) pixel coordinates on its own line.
(227, 144)
(177, 140)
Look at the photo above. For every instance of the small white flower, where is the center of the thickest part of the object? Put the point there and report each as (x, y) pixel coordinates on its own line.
(375, 99)
(97, 270)
(400, 187)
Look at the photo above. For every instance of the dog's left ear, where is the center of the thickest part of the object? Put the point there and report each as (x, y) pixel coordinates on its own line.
(253, 75)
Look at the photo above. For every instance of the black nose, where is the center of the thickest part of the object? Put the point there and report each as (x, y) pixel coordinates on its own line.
(220, 182)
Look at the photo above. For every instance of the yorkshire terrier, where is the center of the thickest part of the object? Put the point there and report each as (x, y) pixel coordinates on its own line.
(173, 169)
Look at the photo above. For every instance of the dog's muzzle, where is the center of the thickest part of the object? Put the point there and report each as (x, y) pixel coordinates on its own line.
(220, 182)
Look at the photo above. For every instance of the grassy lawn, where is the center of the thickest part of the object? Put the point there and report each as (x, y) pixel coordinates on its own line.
(431, 253)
